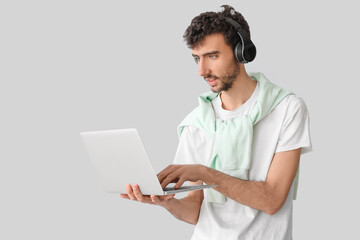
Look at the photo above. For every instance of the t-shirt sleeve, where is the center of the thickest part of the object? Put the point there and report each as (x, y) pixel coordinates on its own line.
(295, 131)
(185, 153)
(195, 147)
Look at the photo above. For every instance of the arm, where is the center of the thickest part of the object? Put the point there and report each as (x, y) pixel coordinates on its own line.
(186, 209)
(268, 196)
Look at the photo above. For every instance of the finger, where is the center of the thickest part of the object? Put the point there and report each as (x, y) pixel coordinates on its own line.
(170, 178)
(162, 175)
(139, 196)
(165, 172)
(169, 196)
(155, 199)
(158, 200)
(129, 192)
(124, 196)
(162, 200)
(179, 183)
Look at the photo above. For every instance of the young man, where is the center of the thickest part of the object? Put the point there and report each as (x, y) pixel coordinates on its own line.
(246, 136)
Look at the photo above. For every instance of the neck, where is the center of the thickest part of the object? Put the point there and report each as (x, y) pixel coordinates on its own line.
(239, 93)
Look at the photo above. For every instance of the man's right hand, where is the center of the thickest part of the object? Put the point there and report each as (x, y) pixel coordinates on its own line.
(134, 193)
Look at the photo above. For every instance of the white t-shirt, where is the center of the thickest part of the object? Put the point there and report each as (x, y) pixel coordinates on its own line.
(285, 128)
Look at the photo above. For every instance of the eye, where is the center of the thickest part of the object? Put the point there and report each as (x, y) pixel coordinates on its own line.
(196, 59)
(213, 56)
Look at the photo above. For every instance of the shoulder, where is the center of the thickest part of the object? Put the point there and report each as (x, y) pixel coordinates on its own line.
(291, 108)
(193, 132)
(190, 118)
(294, 101)
(292, 104)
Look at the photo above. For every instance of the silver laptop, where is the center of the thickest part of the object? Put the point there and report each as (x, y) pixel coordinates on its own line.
(120, 158)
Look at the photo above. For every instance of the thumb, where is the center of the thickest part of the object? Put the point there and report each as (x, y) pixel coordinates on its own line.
(160, 200)
(167, 197)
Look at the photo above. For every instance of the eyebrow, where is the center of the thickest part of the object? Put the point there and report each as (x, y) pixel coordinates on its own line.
(206, 54)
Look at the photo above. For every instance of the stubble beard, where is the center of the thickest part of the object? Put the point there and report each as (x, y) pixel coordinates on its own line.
(229, 79)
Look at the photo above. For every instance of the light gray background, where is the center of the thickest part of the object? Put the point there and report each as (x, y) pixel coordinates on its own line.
(71, 66)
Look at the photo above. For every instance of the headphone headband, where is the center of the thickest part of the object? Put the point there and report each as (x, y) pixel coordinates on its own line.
(235, 24)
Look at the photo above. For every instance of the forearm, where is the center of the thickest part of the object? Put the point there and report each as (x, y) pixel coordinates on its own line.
(258, 195)
(186, 209)
(268, 196)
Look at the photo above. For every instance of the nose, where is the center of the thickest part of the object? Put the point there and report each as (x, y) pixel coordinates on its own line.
(204, 69)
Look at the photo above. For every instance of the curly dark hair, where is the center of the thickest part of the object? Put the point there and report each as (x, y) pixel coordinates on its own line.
(214, 22)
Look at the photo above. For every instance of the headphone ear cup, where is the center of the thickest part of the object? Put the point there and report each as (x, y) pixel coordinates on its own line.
(250, 53)
(238, 53)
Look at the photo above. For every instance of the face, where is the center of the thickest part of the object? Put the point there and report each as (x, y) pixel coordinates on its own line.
(216, 61)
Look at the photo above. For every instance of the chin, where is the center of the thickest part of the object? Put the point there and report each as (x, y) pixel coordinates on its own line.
(214, 90)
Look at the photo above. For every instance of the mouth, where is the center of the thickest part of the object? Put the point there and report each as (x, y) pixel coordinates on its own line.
(211, 80)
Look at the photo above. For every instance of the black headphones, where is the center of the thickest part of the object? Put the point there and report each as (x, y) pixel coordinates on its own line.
(245, 50)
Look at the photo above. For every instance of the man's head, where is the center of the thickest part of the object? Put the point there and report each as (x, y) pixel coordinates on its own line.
(212, 40)
(215, 22)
